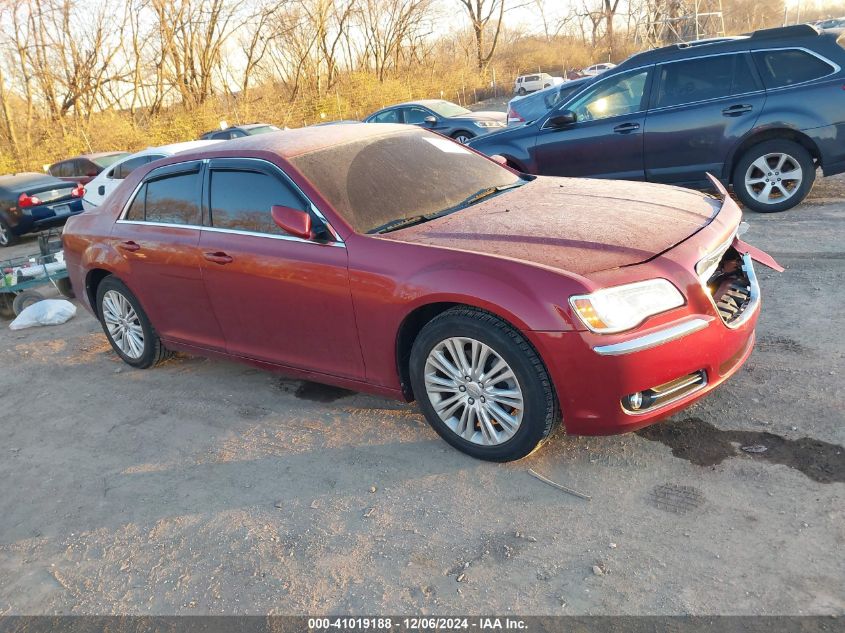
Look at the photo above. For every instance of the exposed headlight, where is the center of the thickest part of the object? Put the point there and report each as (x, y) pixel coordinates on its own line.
(489, 124)
(623, 307)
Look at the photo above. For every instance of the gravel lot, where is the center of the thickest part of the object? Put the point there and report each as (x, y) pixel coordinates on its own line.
(209, 487)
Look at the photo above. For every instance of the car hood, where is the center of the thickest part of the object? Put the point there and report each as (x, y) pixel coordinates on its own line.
(577, 225)
(483, 116)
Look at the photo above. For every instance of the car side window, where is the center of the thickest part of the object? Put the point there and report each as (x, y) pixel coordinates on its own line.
(127, 167)
(781, 68)
(388, 116)
(241, 200)
(694, 80)
(169, 200)
(617, 96)
(416, 116)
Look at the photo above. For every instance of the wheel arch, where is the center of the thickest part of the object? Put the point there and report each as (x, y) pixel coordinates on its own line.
(93, 279)
(420, 316)
(770, 134)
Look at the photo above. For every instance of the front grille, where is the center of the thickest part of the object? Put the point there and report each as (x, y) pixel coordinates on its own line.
(730, 287)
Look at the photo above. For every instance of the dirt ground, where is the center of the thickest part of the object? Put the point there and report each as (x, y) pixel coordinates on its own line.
(206, 487)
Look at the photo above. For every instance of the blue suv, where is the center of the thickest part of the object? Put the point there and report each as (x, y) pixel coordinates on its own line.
(760, 112)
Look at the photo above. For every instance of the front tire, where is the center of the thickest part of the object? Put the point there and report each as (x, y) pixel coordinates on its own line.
(482, 386)
(774, 176)
(462, 137)
(127, 326)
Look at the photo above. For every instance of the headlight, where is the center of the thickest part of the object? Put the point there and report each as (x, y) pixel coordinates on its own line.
(621, 308)
(489, 124)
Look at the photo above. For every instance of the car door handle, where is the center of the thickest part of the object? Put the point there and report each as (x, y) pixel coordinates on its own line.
(218, 258)
(626, 127)
(736, 110)
(129, 246)
(101, 190)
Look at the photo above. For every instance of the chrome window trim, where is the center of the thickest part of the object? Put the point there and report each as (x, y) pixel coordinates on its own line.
(121, 218)
(654, 339)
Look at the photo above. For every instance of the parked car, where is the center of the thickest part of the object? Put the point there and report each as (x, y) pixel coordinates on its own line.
(596, 69)
(499, 301)
(108, 179)
(441, 116)
(832, 23)
(531, 83)
(761, 112)
(531, 107)
(82, 169)
(31, 202)
(238, 131)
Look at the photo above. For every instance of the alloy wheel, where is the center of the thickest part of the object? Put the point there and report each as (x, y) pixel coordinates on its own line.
(4, 235)
(123, 324)
(474, 391)
(773, 178)
(463, 139)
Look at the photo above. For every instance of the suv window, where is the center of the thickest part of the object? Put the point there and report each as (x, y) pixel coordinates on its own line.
(389, 116)
(532, 78)
(702, 79)
(619, 95)
(788, 67)
(170, 199)
(241, 200)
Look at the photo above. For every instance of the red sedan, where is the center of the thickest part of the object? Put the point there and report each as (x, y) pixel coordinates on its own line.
(396, 261)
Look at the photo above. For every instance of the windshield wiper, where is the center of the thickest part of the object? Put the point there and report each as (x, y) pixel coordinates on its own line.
(479, 195)
(401, 223)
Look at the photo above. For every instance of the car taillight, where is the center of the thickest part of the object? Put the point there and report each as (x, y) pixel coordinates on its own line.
(513, 115)
(78, 191)
(25, 201)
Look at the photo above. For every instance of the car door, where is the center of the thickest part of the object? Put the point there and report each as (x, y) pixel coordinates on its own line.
(700, 110)
(278, 298)
(158, 237)
(606, 138)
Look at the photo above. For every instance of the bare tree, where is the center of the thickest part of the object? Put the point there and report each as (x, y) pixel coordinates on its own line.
(484, 14)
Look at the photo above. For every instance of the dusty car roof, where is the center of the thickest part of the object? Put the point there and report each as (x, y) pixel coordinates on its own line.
(292, 143)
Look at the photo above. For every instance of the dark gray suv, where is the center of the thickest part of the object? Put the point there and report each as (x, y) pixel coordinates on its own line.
(761, 112)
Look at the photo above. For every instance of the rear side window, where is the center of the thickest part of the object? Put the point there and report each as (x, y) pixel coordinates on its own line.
(790, 66)
(170, 200)
(127, 167)
(390, 116)
(703, 79)
(415, 116)
(241, 200)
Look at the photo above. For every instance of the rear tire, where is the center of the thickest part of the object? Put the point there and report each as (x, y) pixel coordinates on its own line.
(774, 176)
(7, 238)
(463, 137)
(7, 310)
(127, 327)
(498, 414)
(521, 92)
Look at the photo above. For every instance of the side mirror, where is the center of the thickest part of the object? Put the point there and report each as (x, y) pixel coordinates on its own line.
(564, 119)
(430, 120)
(293, 221)
(499, 159)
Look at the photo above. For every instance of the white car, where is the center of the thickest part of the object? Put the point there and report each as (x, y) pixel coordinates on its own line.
(531, 83)
(107, 180)
(596, 69)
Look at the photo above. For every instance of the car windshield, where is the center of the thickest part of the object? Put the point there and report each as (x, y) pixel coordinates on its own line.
(105, 161)
(263, 129)
(448, 109)
(389, 181)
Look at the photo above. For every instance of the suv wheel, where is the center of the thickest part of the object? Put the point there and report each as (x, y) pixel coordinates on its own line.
(774, 176)
(521, 92)
(462, 137)
(481, 386)
(127, 326)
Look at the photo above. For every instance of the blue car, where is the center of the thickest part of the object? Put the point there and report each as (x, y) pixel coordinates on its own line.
(31, 202)
(761, 112)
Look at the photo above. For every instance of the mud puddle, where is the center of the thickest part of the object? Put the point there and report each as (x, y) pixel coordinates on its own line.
(703, 444)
